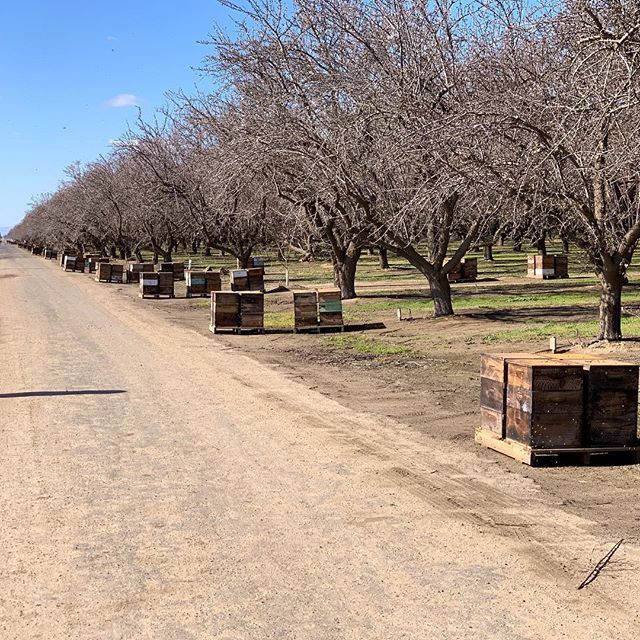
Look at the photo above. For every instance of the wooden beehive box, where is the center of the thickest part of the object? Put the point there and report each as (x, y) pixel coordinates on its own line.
(531, 266)
(93, 263)
(305, 309)
(253, 262)
(547, 267)
(330, 309)
(455, 275)
(134, 269)
(196, 283)
(239, 280)
(611, 412)
(251, 310)
(90, 260)
(225, 310)
(107, 272)
(255, 279)
(213, 280)
(469, 268)
(166, 281)
(69, 263)
(63, 254)
(493, 392)
(544, 403)
(103, 272)
(201, 282)
(493, 388)
(117, 274)
(465, 270)
(561, 266)
(177, 268)
(148, 284)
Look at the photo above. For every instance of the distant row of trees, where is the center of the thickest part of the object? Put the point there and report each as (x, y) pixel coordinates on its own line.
(421, 127)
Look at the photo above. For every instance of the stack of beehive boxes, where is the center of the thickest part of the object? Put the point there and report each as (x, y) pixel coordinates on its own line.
(305, 309)
(237, 310)
(555, 403)
(330, 309)
(317, 309)
(225, 310)
(252, 262)
(107, 272)
(251, 310)
(134, 269)
(256, 278)
(166, 281)
(93, 261)
(544, 403)
(177, 268)
(465, 271)
(547, 267)
(69, 262)
(239, 280)
(251, 279)
(148, 284)
(201, 282)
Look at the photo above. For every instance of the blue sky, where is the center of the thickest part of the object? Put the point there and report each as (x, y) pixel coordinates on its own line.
(70, 71)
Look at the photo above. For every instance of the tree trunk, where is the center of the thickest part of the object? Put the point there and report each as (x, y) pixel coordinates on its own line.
(383, 258)
(207, 251)
(611, 282)
(155, 256)
(113, 252)
(243, 260)
(138, 255)
(441, 294)
(517, 246)
(371, 251)
(344, 271)
(488, 252)
(565, 246)
(541, 245)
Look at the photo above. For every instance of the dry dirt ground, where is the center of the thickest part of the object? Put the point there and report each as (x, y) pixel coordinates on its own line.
(157, 481)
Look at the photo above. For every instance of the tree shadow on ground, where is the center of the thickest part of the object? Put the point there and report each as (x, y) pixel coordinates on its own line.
(45, 394)
(574, 313)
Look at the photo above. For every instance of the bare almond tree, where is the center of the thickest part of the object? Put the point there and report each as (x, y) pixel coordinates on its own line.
(221, 198)
(357, 111)
(562, 86)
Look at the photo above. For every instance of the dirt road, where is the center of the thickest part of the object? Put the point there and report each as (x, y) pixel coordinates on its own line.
(154, 484)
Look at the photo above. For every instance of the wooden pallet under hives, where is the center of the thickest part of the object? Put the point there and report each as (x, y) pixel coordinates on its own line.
(575, 455)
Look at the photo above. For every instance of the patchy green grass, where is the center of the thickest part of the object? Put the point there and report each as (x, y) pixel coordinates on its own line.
(367, 345)
(279, 319)
(492, 299)
(538, 331)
